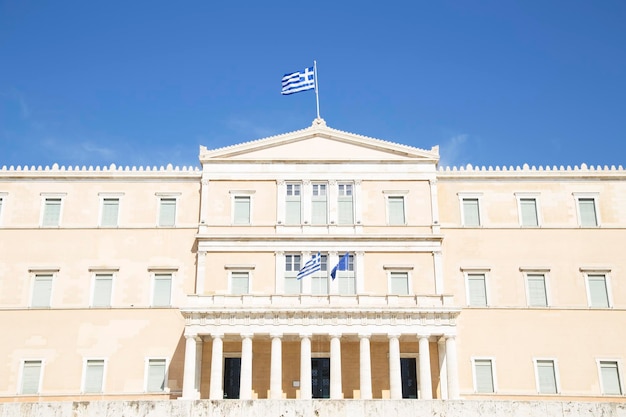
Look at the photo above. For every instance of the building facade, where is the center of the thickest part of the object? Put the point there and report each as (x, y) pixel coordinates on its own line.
(159, 283)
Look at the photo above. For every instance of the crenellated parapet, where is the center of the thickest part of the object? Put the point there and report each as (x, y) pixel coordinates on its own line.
(112, 170)
(526, 170)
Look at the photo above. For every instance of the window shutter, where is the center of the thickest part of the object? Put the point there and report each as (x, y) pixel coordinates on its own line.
(293, 211)
(587, 208)
(242, 210)
(240, 282)
(484, 375)
(610, 378)
(400, 283)
(167, 212)
(396, 210)
(94, 375)
(345, 211)
(597, 291)
(471, 214)
(42, 291)
(529, 212)
(347, 282)
(156, 375)
(319, 283)
(31, 373)
(477, 290)
(110, 210)
(546, 377)
(103, 285)
(292, 285)
(318, 211)
(537, 290)
(52, 212)
(162, 290)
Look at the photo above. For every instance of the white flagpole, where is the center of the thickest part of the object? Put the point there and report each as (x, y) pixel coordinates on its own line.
(317, 96)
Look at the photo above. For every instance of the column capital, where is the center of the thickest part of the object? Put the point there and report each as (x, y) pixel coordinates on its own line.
(246, 335)
(305, 335)
(432, 181)
(393, 335)
(423, 336)
(276, 335)
(217, 335)
(358, 182)
(280, 182)
(205, 182)
(279, 253)
(332, 182)
(335, 335)
(364, 335)
(306, 182)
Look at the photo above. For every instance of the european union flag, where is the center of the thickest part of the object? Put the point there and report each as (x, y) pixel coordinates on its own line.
(342, 265)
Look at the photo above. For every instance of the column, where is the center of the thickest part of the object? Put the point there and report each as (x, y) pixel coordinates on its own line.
(359, 262)
(395, 376)
(245, 382)
(358, 205)
(204, 204)
(434, 205)
(281, 207)
(365, 363)
(425, 380)
(452, 368)
(305, 201)
(200, 272)
(189, 373)
(217, 391)
(276, 368)
(306, 286)
(438, 268)
(336, 392)
(443, 368)
(305, 367)
(333, 284)
(279, 285)
(199, 344)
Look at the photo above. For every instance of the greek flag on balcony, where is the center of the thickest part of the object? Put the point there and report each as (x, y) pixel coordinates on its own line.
(313, 265)
(342, 265)
(299, 81)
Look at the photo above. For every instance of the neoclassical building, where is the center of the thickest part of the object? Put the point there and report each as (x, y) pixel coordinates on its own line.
(456, 283)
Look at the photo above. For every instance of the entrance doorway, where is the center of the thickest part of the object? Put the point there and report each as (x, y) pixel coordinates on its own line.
(408, 372)
(232, 377)
(320, 377)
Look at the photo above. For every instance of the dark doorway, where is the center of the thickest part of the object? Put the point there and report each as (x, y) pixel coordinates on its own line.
(320, 377)
(232, 376)
(408, 371)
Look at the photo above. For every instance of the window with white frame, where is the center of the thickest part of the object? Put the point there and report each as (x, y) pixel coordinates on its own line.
(292, 266)
(610, 377)
(241, 209)
(156, 375)
(167, 211)
(536, 289)
(94, 376)
(528, 210)
(346, 279)
(396, 210)
(545, 371)
(597, 289)
(42, 290)
(476, 290)
(345, 203)
(51, 215)
(319, 279)
(293, 203)
(162, 289)
(102, 289)
(470, 210)
(109, 211)
(239, 282)
(319, 203)
(31, 376)
(484, 381)
(399, 282)
(587, 207)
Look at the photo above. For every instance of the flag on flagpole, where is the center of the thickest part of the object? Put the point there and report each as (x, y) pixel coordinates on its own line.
(313, 265)
(342, 265)
(299, 81)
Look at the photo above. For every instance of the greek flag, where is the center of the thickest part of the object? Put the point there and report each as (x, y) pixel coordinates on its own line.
(342, 265)
(299, 81)
(313, 265)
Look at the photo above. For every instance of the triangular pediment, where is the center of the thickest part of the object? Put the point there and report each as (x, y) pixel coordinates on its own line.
(319, 143)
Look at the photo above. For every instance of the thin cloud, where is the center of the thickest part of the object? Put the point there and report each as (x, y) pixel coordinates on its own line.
(454, 150)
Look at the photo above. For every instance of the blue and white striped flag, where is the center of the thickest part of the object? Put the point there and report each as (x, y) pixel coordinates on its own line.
(313, 265)
(298, 81)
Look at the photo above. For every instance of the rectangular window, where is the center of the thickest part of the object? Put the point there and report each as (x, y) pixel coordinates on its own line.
(399, 283)
(94, 376)
(598, 291)
(537, 296)
(167, 211)
(293, 204)
(347, 279)
(102, 290)
(396, 210)
(345, 204)
(241, 209)
(162, 294)
(471, 212)
(319, 280)
(483, 374)
(476, 290)
(587, 212)
(239, 282)
(31, 377)
(292, 267)
(42, 291)
(319, 210)
(610, 378)
(51, 212)
(546, 377)
(156, 375)
(528, 212)
(110, 212)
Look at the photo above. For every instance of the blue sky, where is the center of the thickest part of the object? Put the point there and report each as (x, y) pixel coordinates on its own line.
(146, 82)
